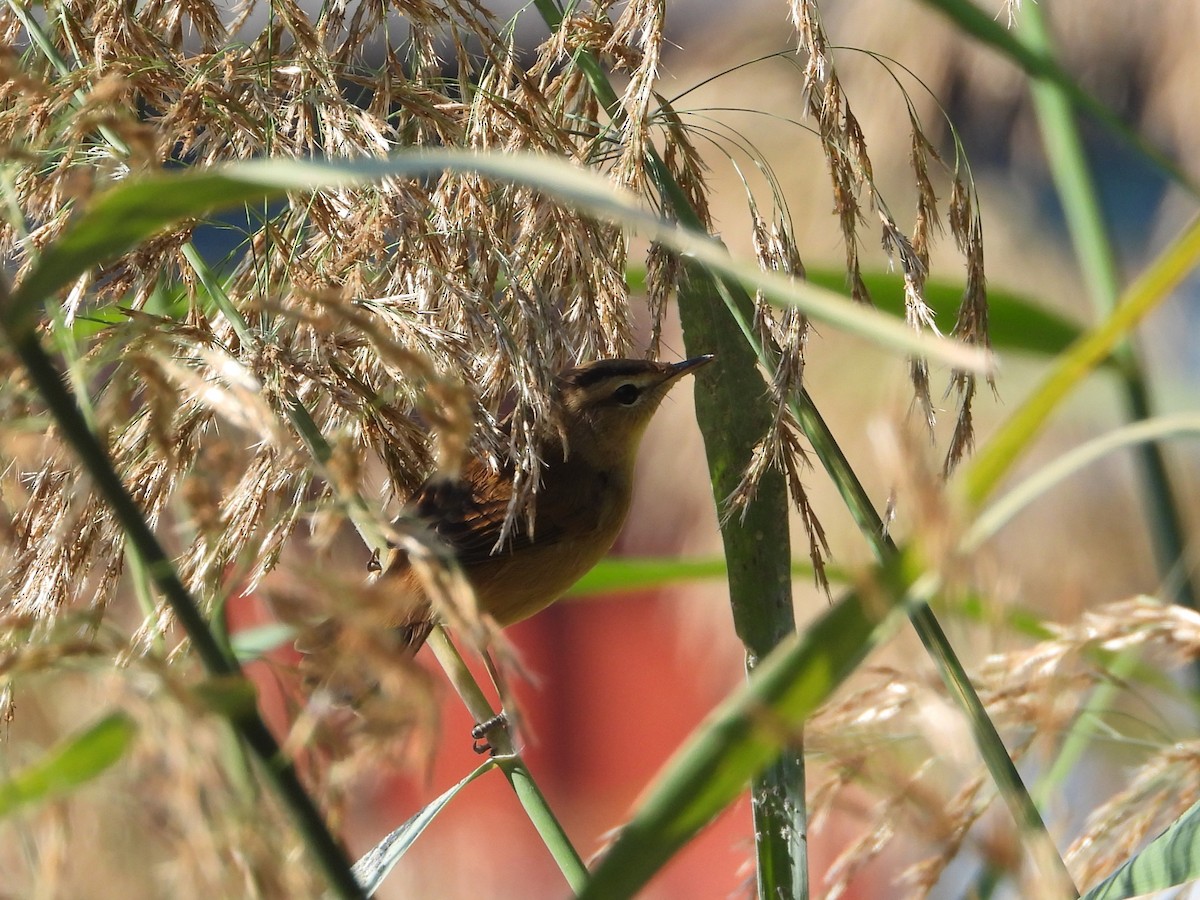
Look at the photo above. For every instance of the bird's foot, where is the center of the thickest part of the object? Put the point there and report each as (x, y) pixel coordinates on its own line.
(480, 732)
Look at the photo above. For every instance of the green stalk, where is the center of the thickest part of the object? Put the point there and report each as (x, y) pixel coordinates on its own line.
(532, 800)
(991, 747)
(278, 770)
(553, 835)
(1097, 261)
(150, 563)
(61, 335)
(38, 35)
(995, 755)
(982, 474)
(1040, 66)
(254, 733)
(954, 676)
(733, 411)
(757, 545)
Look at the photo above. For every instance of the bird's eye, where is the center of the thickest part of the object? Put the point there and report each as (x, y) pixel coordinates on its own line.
(627, 394)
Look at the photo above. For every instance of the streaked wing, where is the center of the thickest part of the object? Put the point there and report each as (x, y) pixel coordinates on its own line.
(469, 515)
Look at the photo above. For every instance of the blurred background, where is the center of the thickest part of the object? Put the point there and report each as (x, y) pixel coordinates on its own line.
(596, 730)
(596, 725)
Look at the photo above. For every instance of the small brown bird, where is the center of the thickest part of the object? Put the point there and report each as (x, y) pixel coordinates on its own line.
(580, 506)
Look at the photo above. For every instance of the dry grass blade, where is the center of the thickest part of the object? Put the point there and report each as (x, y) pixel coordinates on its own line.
(414, 322)
(1035, 696)
(407, 318)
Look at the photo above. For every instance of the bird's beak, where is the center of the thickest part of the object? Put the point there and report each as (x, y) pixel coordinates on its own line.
(688, 365)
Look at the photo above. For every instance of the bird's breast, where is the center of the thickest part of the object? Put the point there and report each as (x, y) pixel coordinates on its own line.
(579, 513)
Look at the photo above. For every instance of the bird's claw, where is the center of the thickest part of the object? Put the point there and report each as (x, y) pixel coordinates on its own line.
(480, 732)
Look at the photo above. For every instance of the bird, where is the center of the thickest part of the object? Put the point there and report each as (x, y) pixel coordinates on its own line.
(586, 484)
(582, 500)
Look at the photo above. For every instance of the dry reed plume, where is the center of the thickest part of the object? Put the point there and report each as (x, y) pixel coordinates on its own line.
(405, 320)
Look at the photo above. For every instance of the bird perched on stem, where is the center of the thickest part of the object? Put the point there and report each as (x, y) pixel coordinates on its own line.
(585, 488)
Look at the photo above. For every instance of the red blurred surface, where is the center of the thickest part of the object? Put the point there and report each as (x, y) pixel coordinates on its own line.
(615, 697)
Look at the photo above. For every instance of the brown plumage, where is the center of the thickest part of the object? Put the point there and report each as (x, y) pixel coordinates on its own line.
(580, 505)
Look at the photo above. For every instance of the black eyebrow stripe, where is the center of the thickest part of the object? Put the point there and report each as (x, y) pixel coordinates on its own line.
(607, 368)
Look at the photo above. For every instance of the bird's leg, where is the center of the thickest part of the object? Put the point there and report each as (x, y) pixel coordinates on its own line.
(499, 722)
(481, 731)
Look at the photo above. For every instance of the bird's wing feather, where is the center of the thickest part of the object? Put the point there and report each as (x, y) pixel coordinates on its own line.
(469, 515)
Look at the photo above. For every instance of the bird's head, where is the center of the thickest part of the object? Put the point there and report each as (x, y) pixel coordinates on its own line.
(607, 404)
